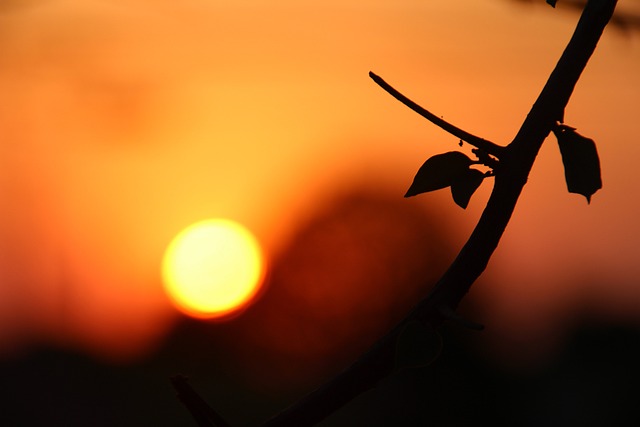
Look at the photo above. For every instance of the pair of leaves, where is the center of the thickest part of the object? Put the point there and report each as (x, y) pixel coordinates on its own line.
(450, 169)
(581, 161)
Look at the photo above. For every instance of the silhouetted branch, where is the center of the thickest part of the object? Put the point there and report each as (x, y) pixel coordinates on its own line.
(621, 19)
(363, 375)
(476, 141)
(516, 161)
(204, 415)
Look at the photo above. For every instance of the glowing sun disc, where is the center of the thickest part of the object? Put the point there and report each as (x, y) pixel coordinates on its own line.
(213, 268)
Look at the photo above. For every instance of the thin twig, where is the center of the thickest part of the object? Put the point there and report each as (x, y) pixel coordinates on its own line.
(481, 143)
(204, 415)
(473, 258)
(516, 161)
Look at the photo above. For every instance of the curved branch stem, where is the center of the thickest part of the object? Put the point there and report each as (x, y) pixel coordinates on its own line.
(201, 412)
(516, 161)
(481, 143)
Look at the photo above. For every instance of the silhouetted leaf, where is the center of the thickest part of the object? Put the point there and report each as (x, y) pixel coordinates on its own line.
(552, 2)
(438, 172)
(581, 161)
(464, 185)
(417, 346)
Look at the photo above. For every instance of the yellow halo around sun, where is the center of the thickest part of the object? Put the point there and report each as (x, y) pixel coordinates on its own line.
(213, 268)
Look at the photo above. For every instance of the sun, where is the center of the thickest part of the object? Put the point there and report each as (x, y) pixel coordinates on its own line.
(213, 268)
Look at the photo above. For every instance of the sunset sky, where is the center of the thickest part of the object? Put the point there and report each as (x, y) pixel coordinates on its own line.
(124, 122)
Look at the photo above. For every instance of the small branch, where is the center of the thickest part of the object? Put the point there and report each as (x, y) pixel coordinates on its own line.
(486, 159)
(515, 164)
(449, 314)
(364, 374)
(518, 160)
(487, 146)
(622, 20)
(204, 415)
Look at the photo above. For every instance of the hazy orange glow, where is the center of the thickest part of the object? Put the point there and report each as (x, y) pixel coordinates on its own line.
(123, 121)
(213, 268)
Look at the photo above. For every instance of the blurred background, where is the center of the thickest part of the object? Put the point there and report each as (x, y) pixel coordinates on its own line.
(122, 123)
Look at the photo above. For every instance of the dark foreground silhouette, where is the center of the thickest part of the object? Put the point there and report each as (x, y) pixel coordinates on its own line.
(592, 381)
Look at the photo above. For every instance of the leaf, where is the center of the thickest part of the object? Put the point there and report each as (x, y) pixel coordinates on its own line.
(581, 162)
(417, 346)
(438, 172)
(552, 2)
(464, 185)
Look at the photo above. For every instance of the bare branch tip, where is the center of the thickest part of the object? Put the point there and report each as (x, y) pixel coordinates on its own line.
(376, 78)
(462, 135)
(203, 414)
(449, 314)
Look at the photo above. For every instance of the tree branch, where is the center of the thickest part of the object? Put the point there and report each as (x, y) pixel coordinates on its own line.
(203, 414)
(516, 161)
(481, 143)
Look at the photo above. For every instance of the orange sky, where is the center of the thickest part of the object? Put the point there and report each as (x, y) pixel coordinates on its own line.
(124, 122)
